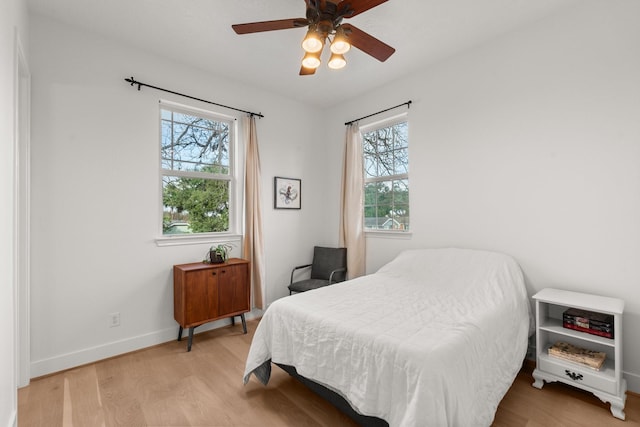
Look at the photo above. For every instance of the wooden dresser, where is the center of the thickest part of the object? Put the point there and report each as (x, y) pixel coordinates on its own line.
(206, 292)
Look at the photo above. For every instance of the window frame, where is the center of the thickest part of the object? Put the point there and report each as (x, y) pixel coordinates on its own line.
(235, 179)
(369, 127)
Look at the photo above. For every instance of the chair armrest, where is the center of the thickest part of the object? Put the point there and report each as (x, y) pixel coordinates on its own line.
(336, 271)
(297, 268)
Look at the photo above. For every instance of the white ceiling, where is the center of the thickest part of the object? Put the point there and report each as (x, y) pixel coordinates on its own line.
(198, 33)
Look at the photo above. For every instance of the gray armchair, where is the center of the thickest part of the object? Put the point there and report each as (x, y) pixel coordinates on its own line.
(329, 266)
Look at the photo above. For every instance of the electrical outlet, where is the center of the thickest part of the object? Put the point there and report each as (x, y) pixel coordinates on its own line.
(114, 319)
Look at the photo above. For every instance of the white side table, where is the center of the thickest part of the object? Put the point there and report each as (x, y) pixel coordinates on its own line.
(607, 383)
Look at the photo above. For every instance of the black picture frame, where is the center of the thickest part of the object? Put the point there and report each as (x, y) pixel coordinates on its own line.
(287, 193)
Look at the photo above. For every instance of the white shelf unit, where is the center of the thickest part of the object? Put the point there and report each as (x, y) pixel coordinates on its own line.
(607, 383)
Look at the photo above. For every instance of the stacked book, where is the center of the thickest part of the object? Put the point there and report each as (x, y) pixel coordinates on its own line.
(588, 321)
(590, 358)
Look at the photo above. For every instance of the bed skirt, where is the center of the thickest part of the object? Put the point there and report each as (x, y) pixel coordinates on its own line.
(335, 399)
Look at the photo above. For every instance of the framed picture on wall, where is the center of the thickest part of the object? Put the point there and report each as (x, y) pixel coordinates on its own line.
(287, 193)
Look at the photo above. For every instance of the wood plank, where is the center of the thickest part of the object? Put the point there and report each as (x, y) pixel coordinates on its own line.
(117, 380)
(83, 403)
(42, 402)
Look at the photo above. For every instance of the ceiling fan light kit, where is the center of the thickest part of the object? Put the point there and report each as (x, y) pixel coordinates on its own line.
(324, 22)
(312, 42)
(340, 44)
(311, 60)
(336, 61)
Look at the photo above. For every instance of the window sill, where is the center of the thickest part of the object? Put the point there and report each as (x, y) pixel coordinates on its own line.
(178, 240)
(381, 234)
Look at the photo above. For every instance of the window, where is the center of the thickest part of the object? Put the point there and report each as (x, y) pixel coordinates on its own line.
(386, 175)
(196, 170)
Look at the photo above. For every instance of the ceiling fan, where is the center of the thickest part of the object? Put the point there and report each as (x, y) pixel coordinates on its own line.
(324, 22)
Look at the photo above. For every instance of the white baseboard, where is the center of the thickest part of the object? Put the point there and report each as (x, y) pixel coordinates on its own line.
(93, 354)
(633, 381)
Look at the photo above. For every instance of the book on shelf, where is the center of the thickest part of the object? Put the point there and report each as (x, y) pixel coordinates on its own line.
(603, 332)
(588, 321)
(590, 358)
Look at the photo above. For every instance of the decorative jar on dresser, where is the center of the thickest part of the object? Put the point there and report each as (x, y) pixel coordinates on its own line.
(605, 382)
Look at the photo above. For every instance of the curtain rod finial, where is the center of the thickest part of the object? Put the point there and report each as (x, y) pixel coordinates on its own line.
(133, 81)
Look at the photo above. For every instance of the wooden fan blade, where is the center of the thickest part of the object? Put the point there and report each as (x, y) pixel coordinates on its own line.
(258, 27)
(359, 6)
(304, 71)
(367, 43)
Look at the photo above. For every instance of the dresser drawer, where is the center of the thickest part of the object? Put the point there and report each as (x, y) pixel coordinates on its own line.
(599, 380)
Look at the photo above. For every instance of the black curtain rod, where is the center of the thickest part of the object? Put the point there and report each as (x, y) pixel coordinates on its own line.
(140, 84)
(408, 104)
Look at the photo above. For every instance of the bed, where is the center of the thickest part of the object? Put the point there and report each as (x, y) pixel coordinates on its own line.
(433, 338)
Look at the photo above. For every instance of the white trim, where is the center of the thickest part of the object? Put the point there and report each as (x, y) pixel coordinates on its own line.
(196, 174)
(22, 214)
(633, 381)
(387, 121)
(188, 109)
(387, 234)
(13, 419)
(235, 177)
(197, 239)
(116, 348)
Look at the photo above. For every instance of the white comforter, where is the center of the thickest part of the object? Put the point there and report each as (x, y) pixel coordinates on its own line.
(434, 338)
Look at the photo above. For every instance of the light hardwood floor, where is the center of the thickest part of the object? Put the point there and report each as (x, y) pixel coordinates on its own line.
(166, 386)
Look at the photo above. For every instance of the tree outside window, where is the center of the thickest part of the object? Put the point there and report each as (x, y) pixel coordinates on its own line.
(386, 177)
(196, 172)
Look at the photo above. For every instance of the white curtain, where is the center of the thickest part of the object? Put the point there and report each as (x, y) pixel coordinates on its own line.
(253, 247)
(351, 218)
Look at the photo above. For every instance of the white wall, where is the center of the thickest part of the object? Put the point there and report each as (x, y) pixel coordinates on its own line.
(530, 145)
(13, 30)
(96, 197)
